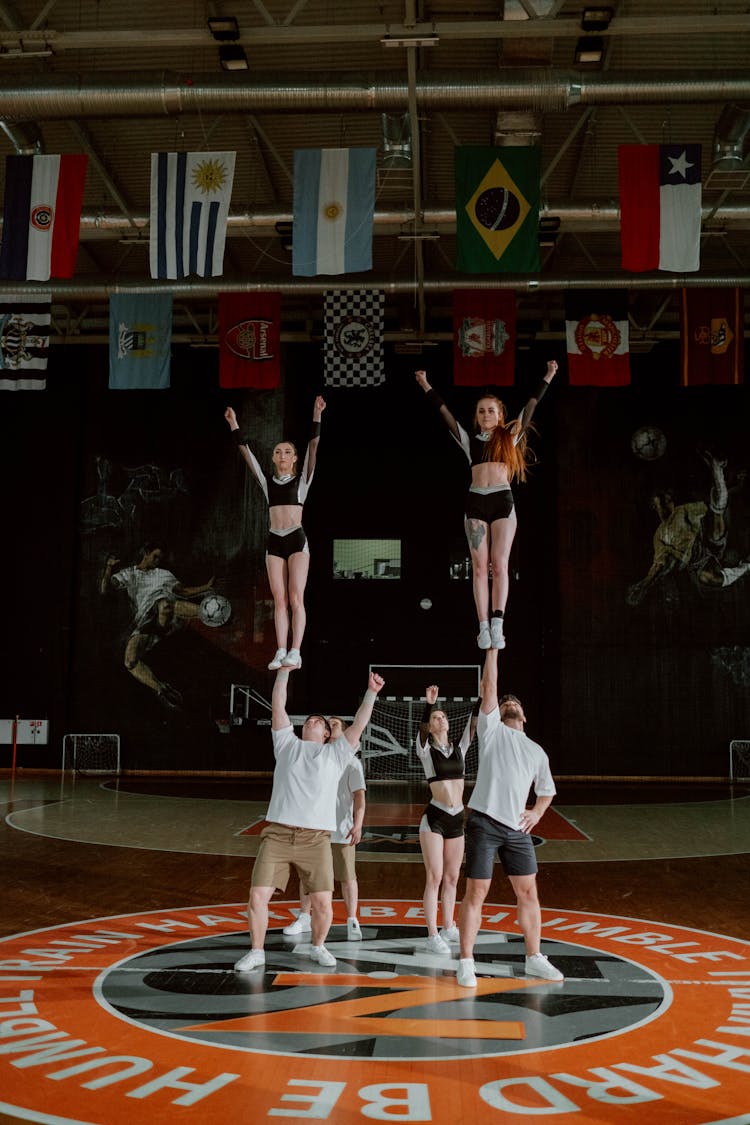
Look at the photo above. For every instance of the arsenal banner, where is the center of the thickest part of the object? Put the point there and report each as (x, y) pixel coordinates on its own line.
(596, 329)
(250, 340)
(712, 336)
(484, 337)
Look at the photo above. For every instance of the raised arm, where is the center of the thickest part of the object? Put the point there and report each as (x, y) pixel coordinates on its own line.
(308, 467)
(431, 698)
(279, 717)
(245, 451)
(489, 682)
(111, 565)
(455, 429)
(522, 423)
(193, 591)
(354, 732)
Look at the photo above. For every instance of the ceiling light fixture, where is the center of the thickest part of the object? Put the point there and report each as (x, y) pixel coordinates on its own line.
(590, 51)
(410, 40)
(224, 29)
(596, 19)
(233, 58)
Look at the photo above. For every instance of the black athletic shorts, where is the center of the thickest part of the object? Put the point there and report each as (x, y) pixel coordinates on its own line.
(489, 506)
(448, 825)
(283, 546)
(487, 838)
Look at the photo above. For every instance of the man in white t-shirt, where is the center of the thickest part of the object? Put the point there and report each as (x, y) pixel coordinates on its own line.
(350, 815)
(301, 817)
(500, 824)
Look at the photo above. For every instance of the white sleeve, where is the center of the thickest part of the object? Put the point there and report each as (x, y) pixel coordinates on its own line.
(283, 739)
(465, 740)
(463, 440)
(257, 471)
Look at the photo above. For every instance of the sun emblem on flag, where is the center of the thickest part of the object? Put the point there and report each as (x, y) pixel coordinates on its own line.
(210, 176)
(332, 211)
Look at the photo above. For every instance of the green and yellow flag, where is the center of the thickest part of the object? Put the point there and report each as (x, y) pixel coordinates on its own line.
(497, 209)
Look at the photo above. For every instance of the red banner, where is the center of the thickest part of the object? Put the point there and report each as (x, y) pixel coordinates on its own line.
(250, 340)
(712, 336)
(484, 337)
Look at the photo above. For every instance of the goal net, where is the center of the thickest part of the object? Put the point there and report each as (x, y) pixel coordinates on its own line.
(739, 759)
(389, 743)
(91, 753)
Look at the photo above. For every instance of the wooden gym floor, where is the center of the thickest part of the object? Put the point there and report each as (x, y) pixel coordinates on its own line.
(122, 913)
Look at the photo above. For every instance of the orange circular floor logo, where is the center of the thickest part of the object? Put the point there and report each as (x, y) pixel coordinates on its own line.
(142, 1015)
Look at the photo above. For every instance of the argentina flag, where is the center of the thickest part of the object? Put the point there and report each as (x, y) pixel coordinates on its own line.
(190, 196)
(334, 204)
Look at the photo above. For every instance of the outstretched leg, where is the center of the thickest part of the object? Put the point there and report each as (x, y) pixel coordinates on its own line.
(277, 577)
(299, 565)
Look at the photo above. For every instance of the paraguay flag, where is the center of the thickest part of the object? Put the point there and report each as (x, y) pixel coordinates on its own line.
(190, 196)
(334, 206)
(41, 216)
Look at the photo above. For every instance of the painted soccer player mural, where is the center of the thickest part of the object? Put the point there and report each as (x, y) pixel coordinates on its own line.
(694, 539)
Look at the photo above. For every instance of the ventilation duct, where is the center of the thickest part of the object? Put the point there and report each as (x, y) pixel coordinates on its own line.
(729, 137)
(396, 148)
(24, 136)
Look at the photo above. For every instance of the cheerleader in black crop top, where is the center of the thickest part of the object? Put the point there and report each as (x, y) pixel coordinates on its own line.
(287, 553)
(498, 455)
(441, 830)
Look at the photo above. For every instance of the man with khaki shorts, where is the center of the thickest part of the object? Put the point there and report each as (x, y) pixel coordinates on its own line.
(301, 817)
(350, 815)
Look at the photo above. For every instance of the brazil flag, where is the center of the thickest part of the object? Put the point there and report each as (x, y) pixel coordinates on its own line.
(497, 210)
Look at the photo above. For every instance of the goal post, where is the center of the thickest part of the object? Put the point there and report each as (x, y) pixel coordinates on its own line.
(91, 754)
(739, 759)
(388, 744)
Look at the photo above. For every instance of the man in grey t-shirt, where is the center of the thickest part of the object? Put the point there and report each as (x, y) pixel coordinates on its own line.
(500, 824)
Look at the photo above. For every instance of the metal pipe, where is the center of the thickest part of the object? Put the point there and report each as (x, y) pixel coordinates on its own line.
(47, 97)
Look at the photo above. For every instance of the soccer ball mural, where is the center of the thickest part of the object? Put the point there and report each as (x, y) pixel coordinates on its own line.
(215, 610)
(648, 443)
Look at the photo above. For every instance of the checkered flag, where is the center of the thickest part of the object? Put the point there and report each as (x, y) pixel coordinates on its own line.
(354, 338)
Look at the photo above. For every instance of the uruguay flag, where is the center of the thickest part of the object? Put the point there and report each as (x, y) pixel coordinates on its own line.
(41, 216)
(334, 205)
(190, 196)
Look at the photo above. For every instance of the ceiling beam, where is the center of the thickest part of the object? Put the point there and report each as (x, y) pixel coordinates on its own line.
(285, 35)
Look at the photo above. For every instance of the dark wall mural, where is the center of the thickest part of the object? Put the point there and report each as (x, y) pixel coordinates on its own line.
(140, 587)
(654, 577)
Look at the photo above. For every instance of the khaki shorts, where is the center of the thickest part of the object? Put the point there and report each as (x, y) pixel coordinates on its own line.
(307, 850)
(343, 862)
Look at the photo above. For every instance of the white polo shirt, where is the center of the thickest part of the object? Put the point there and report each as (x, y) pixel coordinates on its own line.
(306, 780)
(509, 764)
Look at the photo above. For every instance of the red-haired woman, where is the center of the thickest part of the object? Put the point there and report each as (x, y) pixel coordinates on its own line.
(287, 552)
(497, 454)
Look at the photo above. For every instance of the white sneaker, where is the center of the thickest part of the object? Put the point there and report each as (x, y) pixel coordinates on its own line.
(451, 934)
(292, 659)
(497, 637)
(278, 660)
(465, 975)
(484, 640)
(255, 959)
(538, 966)
(302, 924)
(435, 944)
(320, 954)
(353, 931)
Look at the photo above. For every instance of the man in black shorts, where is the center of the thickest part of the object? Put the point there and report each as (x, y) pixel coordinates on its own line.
(499, 824)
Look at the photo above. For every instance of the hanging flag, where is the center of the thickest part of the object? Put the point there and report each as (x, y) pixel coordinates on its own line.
(250, 340)
(24, 342)
(190, 196)
(497, 209)
(484, 337)
(41, 216)
(712, 336)
(596, 328)
(660, 207)
(140, 337)
(334, 205)
(353, 334)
